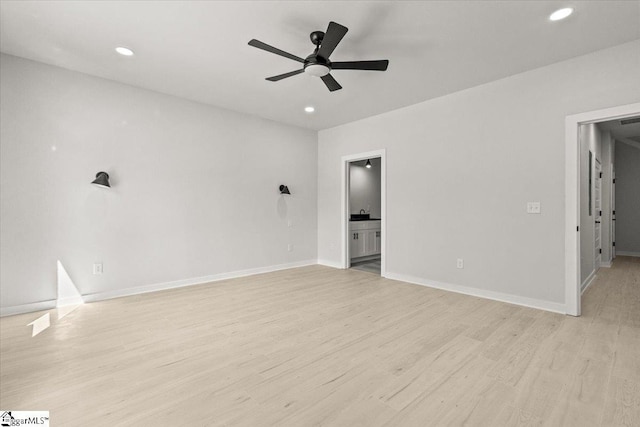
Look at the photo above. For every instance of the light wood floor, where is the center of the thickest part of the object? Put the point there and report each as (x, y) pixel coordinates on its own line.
(318, 346)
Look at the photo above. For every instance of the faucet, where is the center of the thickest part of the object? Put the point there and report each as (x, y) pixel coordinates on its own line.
(362, 211)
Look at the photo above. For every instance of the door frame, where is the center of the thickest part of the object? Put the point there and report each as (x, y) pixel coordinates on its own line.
(572, 195)
(344, 208)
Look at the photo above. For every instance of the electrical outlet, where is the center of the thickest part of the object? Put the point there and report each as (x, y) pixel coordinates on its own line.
(533, 207)
(460, 263)
(97, 268)
(290, 247)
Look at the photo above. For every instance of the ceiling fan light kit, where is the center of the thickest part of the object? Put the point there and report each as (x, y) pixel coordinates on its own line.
(317, 70)
(318, 64)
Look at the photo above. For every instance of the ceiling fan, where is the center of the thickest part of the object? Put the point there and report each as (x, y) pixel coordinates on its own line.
(318, 63)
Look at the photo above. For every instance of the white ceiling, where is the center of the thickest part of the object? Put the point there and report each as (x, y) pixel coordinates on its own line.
(198, 49)
(630, 131)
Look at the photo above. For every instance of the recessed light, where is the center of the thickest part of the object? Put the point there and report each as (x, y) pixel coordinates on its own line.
(309, 109)
(125, 51)
(560, 14)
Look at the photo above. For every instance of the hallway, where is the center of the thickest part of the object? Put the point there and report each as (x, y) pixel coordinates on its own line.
(614, 296)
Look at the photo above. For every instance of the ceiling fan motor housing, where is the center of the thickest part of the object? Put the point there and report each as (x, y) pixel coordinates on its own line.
(316, 37)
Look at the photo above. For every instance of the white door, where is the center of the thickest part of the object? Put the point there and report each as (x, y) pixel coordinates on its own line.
(597, 193)
(613, 213)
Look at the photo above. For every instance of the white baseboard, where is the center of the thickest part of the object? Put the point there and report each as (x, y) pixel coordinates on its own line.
(64, 302)
(497, 296)
(27, 308)
(99, 296)
(482, 293)
(627, 253)
(587, 282)
(606, 264)
(194, 281)
(331, 264)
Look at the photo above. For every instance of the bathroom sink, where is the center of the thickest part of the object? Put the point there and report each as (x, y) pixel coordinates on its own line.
(359, 217)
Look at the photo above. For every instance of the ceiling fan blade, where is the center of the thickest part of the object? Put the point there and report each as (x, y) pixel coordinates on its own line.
(361, 65)
(335, 33)
(331, 83)
(264, 46)
(285, 75)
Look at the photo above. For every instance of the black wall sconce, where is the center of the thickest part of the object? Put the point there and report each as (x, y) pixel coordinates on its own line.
(284, 189)
(102, 180)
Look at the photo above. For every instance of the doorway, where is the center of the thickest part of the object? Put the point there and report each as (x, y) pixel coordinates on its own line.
(364, 212)
(579, 253)
(364, 215)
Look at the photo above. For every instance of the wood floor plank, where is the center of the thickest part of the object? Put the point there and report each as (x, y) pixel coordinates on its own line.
(430, 373)
(627, 354)
(582, 403)
(513, 364)
(623, 403)
(438, 398)
(478, 406)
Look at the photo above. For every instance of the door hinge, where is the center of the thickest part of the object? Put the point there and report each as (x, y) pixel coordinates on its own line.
(614, 243)
(578, 228)
(614, 211)
(600, 174)
(600, 213)
(600, 250)
(614, 180)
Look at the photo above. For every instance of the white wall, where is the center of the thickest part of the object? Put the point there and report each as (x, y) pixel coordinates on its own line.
(364, 188)
(194, 187)
(461, 168)
(590, 141)
(627, 199)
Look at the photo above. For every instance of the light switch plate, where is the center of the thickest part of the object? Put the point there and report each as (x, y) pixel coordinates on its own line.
(97, 268)
(533, 207)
